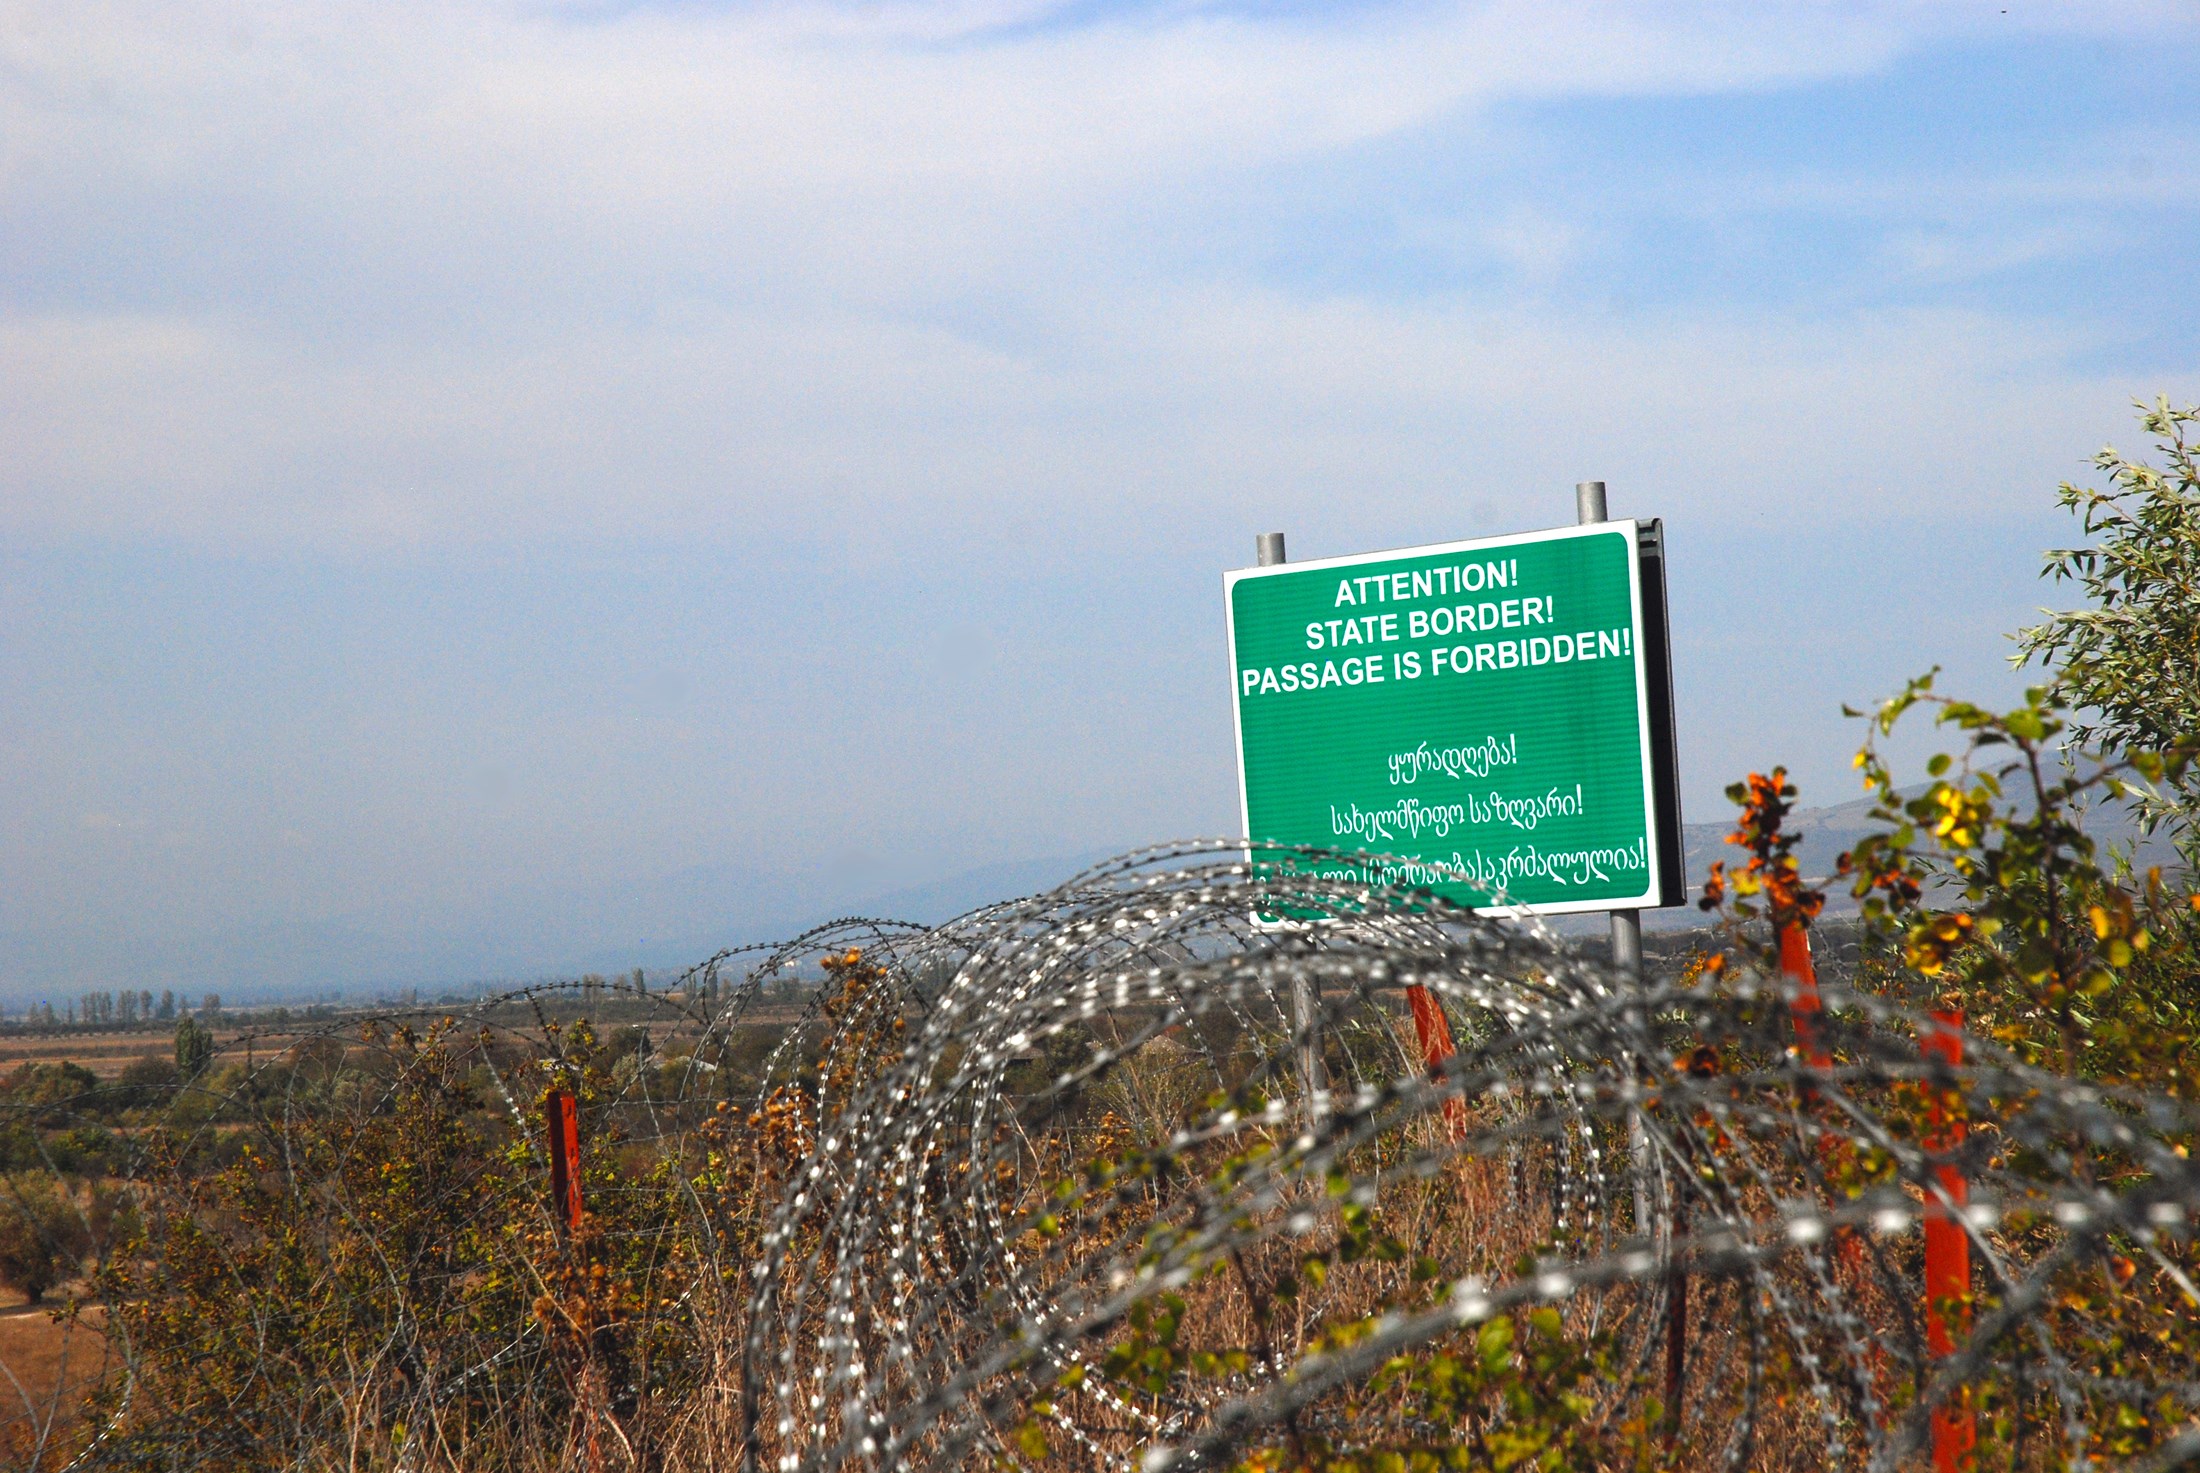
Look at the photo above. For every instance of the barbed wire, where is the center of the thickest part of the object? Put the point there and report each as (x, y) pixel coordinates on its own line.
(1153, 1170)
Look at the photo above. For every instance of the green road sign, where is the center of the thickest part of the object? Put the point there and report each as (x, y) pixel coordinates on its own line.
(1492, 717)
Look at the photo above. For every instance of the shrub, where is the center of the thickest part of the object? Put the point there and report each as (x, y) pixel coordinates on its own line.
(35, 1236)
(2130, 663)
(55, 1091)
(146, 1079)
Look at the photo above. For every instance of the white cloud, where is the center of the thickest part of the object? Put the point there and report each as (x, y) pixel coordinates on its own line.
(722, 423)
(396, 272)
(1966, 255)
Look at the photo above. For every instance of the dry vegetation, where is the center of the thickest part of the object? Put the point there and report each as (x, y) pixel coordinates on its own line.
(345, 1254)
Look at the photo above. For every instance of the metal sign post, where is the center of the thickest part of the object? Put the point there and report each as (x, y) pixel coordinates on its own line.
(1589, 506)
(1305, 1007)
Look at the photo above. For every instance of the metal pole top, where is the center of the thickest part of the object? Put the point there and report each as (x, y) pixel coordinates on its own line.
(1268, 547)
(1589, 502)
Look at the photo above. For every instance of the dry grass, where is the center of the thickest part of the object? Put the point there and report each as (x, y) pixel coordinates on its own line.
(108, 1054)
(50, 1365)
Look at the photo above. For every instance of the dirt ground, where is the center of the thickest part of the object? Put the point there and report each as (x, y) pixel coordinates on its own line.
(45, 1370)
(108, 1054)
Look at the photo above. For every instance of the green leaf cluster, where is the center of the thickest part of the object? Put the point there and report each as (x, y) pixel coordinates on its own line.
(2129, 662)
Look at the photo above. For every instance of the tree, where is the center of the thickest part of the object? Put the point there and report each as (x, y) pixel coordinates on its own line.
(32, 1257)
(29, 1258)
(167, 1006)
(2131, 662)
(194, 1047)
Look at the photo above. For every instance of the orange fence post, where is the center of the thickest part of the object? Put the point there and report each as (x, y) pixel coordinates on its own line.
(1796, 965)
(1805, 1008)
(561, 1118)
(1434, 1032)
(1947, 1249)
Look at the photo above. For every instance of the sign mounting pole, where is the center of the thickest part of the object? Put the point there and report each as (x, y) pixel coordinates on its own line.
(1626, 924)
(1305, 1009)
(1626, 931)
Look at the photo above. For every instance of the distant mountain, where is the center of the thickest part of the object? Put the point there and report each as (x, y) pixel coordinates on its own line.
(1828, 833)
(666, 925)
(945, 899)
(670, 924)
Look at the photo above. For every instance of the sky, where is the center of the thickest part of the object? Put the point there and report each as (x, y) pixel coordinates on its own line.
(492, 489)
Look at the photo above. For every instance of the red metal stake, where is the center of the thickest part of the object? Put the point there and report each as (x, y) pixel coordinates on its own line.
(1796, 965)
(1947, 1250)
(1434, 1032)
(561, 1119)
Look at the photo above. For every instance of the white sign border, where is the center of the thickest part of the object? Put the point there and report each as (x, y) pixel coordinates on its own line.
(1632, 529)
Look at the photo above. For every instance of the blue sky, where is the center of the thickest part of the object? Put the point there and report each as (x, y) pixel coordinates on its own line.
(498, 488)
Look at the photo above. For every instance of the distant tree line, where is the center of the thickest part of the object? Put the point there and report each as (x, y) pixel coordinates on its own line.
(114, 1011)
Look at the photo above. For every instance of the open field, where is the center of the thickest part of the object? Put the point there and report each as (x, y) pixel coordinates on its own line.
(108, 1054)
(50, 1365)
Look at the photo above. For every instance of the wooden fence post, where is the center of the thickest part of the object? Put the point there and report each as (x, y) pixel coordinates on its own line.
(1947, 1247)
